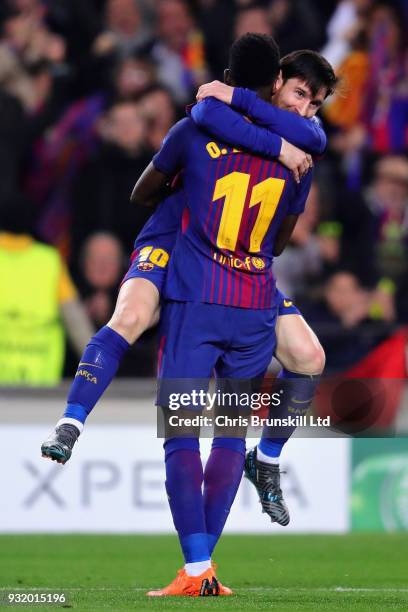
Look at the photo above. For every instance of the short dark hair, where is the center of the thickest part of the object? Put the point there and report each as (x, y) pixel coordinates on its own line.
(254, 61)
(310, 67)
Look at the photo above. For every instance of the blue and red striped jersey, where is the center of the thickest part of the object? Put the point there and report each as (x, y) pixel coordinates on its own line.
(162, 227)
(236, 203)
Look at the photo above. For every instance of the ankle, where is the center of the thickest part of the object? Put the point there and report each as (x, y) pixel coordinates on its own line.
(70, 421)
(197, 568)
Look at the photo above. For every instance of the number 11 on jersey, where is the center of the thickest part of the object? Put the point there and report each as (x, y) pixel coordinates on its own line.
(234, 188)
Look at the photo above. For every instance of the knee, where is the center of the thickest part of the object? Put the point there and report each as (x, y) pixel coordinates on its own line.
(306, 358)
(129, 322)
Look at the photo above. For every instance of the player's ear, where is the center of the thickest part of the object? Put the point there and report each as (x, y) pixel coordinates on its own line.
(278, 83)
(227, 76)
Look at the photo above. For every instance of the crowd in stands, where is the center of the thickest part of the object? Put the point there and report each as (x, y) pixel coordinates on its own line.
(88, 89)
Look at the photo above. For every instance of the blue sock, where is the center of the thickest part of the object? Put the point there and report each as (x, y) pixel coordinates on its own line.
(184, 479)
(222, 475)
(298, 392)
(98, 366)
(272, 446)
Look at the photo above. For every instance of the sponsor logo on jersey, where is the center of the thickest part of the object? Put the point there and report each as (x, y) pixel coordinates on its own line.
(145, 266)
(249, 263)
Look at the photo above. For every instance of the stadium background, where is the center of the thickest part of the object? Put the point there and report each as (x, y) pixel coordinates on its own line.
(87, 92)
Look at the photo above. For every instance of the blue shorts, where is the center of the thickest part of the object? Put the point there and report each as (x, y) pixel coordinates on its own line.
(197, 339)
(285, 305)
(149, 262)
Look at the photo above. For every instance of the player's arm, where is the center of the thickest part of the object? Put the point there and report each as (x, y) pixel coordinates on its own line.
(304, 133)
(284, 233)
(155, 182)
(296, 207)
(230, 126)
(152, 187)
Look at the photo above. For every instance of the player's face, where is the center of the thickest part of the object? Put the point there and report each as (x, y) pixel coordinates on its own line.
(296, 96)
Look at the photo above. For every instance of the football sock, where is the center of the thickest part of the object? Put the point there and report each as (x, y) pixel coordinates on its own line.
(273, 448)
(298, 392)
(68, 421)
(222, 475)
(184, 479)
(195, 569)
(98, 366)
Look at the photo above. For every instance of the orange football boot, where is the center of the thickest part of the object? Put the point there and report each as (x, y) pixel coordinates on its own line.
(223, 589)
(184, 585)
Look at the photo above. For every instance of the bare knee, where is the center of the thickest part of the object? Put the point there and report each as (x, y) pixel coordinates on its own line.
(313, 359)
(130, 322)
(304, 358)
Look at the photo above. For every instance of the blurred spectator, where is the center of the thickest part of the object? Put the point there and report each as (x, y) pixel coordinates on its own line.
(345, 23)
(346, 300)
(252, 18)
(296, 24)
(133, 76)
(37, 300)
(375, 113)
(78, 22)
(14, 78)
(385, 115)
(125, 30)
(388, 202)
(216, 18)
(343, 324)
(157, 107)
(33, 65)
(309, 251)
(27, 36)
(59, 155)
(102, 191)
(100, 272)
(375, 224)
(55, 161)
(179, 50)
(344, 109)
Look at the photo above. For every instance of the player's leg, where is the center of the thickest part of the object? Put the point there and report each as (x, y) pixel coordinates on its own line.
(222, 476)
(298, 348)
(240, 371)
(302, 358)
(137, 309)
(187, 358)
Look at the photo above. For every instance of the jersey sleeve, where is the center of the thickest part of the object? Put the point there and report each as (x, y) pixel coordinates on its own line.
(171, 156)
(298, 202)
(307, 134)
(230, 126)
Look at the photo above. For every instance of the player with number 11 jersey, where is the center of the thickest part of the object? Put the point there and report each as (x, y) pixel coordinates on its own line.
(235, 205)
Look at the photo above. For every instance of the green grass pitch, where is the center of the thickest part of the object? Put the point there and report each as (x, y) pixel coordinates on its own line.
(352, 572)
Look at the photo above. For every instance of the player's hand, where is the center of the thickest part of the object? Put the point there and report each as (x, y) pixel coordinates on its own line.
(295, 160)
(216, 89)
